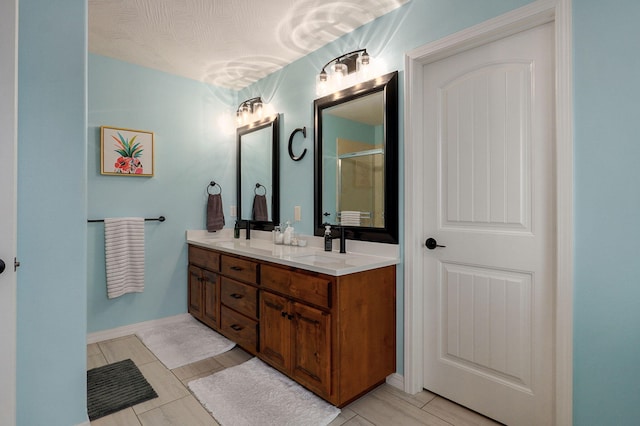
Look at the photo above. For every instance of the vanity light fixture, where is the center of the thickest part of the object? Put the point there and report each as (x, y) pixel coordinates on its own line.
(344, 71)
(249, 111)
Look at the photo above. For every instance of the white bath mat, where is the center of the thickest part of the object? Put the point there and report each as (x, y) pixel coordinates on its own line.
(254, 394)
(183, 342)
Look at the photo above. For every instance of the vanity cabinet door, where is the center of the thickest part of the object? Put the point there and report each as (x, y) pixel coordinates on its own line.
(204, 296)
(275, 335)
(211, 299)
(295, 338)
(311, 351)
(195, 292)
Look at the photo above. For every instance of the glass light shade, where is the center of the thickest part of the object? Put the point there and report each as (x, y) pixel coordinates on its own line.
(323, 85)
(365, 68)
(339, 69)
(337, 79)
(364, 58)
(245, 114)
(258, 110)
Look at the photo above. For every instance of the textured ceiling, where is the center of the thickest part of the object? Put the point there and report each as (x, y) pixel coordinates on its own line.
(228, 43)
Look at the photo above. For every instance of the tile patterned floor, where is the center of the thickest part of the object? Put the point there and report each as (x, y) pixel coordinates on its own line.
(176, 406)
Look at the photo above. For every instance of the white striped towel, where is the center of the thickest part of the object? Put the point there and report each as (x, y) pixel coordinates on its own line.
(124, 255)
(350, 218)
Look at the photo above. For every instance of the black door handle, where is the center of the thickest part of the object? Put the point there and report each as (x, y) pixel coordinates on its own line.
(2, 266)
(431, 243)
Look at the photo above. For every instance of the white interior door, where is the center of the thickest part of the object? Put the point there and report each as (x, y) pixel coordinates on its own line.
(489, 191)
(8, 149)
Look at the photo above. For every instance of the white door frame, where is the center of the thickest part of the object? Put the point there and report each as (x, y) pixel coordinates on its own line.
(8, 213)
(531, 15)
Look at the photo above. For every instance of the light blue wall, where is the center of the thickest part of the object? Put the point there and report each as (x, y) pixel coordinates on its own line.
(190, 151)
(51, 352)
(607, 202)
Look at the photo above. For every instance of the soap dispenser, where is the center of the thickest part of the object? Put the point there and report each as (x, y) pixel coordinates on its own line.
(288, 234)
(328, 241)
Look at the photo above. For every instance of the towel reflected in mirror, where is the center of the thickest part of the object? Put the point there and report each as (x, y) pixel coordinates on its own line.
(260, 212)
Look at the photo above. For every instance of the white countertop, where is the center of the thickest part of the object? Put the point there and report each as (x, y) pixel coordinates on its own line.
(312, 257)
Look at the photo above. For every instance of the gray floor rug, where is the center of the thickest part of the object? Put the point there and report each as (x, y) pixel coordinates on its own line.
(254, 394)
(114, 387)
(183, 341)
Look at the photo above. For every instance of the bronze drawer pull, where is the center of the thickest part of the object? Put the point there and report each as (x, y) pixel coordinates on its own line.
(236, 268)
(236, 327)
(236, 295)
(286, 315)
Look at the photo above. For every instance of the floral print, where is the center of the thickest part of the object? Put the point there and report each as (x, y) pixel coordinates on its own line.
(130, 151)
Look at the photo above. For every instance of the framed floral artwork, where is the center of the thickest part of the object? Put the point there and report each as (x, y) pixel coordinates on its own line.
(126, 152)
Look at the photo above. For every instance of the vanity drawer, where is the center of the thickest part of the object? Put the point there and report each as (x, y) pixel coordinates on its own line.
(240, 269)
(204, 258)
(240, 297)
(240, 329)
(308, 288)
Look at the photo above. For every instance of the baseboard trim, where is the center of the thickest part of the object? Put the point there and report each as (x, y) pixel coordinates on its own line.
(127, 330)
(396, 380)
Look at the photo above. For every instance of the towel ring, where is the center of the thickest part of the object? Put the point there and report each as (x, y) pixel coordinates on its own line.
(258, 185)
(214, 184)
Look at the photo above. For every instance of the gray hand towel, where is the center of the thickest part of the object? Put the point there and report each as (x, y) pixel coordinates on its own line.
(260, 212)
(215, 214)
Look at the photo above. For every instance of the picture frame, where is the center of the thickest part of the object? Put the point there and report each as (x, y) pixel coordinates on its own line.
(126, 152)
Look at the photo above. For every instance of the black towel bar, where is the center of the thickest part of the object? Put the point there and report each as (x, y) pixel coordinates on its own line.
(159, 219)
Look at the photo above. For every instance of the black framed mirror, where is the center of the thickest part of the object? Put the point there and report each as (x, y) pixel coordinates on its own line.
(258, 174)
(356, 160)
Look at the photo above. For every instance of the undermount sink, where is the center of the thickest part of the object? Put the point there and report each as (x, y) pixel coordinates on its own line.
(315, 258)
(249, 245)
(323, 258)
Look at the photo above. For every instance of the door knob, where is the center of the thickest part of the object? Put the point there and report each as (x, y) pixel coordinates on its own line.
(431, 243)
(2, 266)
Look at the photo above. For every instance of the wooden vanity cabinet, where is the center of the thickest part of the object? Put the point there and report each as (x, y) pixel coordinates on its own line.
(296, 339)
(204, 286)
(333, 335)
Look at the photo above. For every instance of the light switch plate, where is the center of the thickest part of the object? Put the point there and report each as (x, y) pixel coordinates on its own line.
(234, 212)
(297, 213)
